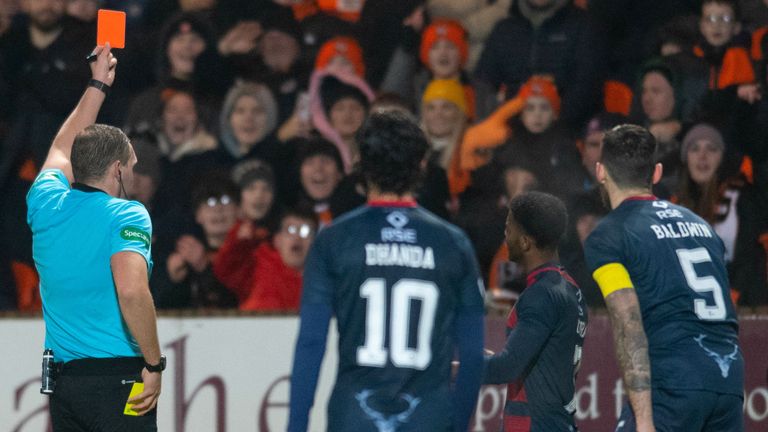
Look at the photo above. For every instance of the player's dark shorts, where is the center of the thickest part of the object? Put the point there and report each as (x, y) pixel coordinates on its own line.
(690, 411)
(90, 395)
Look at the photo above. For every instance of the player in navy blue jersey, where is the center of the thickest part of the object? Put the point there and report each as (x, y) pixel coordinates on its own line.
(662, 272)
(545, 330)
(405, 289)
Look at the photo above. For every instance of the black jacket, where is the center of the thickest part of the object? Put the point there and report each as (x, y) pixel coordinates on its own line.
(565, 46)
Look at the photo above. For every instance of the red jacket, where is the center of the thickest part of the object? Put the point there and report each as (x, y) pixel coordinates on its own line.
(255, 272)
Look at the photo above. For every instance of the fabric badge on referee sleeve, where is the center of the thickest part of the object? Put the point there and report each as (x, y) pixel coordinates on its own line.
(132, 233)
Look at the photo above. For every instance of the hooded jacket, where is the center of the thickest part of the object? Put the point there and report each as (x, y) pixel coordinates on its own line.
(268, 148)
(319, 116)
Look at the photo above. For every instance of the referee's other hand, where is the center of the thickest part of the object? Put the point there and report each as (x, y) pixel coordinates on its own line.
(147, 400)
(103, 69)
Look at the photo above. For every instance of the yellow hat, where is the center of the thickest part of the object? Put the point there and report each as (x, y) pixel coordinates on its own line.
(448, 89)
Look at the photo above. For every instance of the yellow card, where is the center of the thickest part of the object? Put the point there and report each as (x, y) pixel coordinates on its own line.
(135, 390)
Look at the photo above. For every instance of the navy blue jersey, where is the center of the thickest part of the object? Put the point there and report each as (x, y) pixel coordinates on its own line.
(545, 336)
(676, 264)
(396, 278)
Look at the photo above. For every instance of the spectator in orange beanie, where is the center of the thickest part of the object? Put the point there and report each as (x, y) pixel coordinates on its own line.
(341, 53)
(442, 52)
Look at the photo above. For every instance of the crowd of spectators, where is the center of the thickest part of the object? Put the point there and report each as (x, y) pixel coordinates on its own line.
(244, 113)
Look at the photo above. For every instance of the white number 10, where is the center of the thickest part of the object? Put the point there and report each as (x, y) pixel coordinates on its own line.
(373, 353)
(707, 284)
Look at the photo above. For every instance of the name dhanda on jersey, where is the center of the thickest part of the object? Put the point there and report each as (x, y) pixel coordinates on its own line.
(681, 230)
(394, 254)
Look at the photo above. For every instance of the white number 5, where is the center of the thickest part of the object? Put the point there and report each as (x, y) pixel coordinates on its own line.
(703, 285)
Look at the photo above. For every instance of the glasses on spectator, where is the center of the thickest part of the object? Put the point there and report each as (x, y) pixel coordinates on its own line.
(214, 201)
(714, 19)
(303, 230)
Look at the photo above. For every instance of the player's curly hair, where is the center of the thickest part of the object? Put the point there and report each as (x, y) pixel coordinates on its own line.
(629, 155)
(392, 148)
(542, 216)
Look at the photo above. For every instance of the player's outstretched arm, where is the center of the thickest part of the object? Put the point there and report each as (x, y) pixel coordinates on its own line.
(524, 344)
(84, 114)
(631, 347)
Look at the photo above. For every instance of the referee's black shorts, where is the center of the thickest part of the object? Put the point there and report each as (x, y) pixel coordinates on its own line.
(91, 394)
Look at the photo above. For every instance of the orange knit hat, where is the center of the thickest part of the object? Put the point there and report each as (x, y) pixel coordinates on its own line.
(544, 86)
(344, 46)
(444, 29)
(344, 9)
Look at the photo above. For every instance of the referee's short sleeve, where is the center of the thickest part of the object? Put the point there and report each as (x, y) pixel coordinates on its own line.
(46, 188)
(132, 231)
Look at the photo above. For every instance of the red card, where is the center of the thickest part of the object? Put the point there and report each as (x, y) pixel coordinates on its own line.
(111, 28)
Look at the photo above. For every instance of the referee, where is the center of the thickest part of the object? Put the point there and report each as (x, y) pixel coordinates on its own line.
(92, 250)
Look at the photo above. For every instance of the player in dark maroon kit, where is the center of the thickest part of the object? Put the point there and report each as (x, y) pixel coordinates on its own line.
(546, 327)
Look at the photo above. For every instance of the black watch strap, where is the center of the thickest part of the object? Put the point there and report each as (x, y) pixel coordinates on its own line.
(157, 367)
(99, 85)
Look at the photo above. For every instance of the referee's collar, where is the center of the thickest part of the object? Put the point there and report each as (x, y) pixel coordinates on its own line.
(85, 188)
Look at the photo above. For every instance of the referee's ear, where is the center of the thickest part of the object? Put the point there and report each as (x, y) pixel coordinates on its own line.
(114, 170)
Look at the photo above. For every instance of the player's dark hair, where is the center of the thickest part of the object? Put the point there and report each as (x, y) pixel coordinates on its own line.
(542, 216)
(392, 147)
(629, 155)
(96, 148)
(733, 4)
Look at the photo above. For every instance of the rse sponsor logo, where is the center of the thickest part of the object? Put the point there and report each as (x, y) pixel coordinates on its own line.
(398, 235)
(669, 213)
(136, 234)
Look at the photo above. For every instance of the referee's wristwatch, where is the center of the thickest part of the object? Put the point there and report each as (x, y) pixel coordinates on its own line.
(156, 368)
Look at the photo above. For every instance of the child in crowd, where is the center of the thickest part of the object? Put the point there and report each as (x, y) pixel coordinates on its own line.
(445, 118)
(341, 53)
(442, 52)
(716, 62)
(265, 273)
(256, 222)
(184, 278)
(339, 102)
(320, 174)
(533, 135)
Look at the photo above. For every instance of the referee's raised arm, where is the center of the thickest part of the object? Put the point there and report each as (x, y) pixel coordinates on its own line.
(85, 113)
(101, 328)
